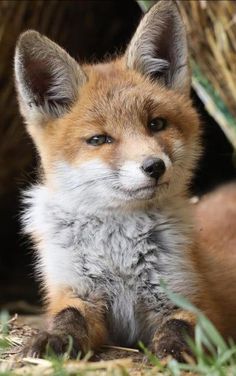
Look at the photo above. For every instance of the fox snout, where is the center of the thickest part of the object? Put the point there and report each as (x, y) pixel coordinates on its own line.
(141, 178)
(153, 167)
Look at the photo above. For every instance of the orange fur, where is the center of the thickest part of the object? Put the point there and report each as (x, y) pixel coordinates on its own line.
(185, 316)
(215, 216)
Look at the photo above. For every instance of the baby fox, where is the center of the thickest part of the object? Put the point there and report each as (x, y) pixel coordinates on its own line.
(118, 143)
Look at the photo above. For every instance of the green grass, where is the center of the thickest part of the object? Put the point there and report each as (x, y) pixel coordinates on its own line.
(146, 4)
(4, 342)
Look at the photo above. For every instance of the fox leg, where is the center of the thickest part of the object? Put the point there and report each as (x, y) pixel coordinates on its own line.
(170, 338)
(70, 317)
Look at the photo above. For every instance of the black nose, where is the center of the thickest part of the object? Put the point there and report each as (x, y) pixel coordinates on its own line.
(153, 167)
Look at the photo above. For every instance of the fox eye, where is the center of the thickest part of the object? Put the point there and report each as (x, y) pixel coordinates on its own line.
(99, 139)
(157, 124)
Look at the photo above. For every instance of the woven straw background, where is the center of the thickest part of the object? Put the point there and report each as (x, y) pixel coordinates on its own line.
(211, 28)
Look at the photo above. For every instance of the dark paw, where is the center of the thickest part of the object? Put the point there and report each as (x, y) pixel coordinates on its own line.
(171, 347)
(172, 340)
(50, 343)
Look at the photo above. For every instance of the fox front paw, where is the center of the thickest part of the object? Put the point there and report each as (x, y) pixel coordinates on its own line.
(46, 342)
(67, 324)
(171, 340)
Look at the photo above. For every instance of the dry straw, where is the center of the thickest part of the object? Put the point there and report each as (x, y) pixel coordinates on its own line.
(211, 28)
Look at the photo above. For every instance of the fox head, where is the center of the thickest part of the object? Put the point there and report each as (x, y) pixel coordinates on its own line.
(118, 132)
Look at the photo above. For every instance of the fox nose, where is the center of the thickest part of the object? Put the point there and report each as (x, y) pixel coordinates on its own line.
(153, 167)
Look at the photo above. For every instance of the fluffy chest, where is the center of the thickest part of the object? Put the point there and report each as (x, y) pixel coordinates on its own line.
(116, 246)
(105, 250)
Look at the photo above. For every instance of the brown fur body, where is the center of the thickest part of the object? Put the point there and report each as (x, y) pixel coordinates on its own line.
(215, 217)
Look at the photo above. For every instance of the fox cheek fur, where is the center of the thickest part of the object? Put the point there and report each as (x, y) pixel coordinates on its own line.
(118, 142)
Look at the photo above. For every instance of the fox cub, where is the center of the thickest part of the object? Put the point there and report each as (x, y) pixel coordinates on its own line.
(110, 218)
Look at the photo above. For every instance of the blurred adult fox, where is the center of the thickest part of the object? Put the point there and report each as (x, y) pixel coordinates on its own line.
(110, 217)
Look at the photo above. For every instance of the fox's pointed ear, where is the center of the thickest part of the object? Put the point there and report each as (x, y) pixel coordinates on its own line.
(159, 47)
(47, 78)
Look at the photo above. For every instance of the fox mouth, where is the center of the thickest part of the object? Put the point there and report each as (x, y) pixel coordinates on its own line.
(145, 191)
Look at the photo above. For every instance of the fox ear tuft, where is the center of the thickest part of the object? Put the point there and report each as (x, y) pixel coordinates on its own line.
(159, 47)
(47, 78)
